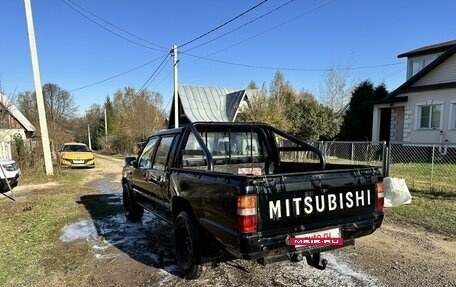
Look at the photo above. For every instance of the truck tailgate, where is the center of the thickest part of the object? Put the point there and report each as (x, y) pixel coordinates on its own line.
(296, 202)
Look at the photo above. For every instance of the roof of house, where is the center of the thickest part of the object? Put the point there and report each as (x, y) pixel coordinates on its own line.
(15, 113)
(439, 47)
(210, 104)
(450, 50)
(206, 104)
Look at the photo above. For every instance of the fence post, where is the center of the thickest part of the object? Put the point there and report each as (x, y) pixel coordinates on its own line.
(432, 166)
(323, 149)
(385, 160)
(352, 152)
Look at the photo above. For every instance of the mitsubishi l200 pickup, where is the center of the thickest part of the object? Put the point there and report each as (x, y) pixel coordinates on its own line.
(250, 191)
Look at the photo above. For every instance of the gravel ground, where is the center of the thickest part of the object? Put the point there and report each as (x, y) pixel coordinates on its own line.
(141, 254)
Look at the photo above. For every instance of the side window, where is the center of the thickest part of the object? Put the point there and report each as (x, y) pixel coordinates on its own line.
(193, 155)
(145, 158)
(162, 153)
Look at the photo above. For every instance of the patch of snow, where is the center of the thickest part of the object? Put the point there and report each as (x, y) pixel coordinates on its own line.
(80, 230)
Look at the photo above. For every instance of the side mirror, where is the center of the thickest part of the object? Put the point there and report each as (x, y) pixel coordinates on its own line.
(130, 161)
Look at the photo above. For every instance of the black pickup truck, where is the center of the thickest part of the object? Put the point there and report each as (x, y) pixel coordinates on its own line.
(250, 191)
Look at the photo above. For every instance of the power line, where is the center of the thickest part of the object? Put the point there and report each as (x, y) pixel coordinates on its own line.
(292, 69)
(158, 73)
(274, 27)
(242, 26)
(393, 74)
(155, 71)
(162, 80)
(67, 2)
(118, 75)
(224, 24)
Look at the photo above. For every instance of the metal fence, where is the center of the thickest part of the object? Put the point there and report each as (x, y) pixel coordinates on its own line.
(425, 167)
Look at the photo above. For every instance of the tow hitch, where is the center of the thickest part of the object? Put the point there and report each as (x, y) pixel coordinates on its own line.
(314, 261)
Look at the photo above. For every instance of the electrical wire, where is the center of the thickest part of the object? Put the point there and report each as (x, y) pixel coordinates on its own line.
(158, 73)
(393, 74)
(162, 80)
(224, 24)
(67, 2)
(118, 75)
(274, 27)
(155, 71)
(292, 69)
(242, 26)
(268, 30)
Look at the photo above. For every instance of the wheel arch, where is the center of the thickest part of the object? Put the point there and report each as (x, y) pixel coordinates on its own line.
(181, 204)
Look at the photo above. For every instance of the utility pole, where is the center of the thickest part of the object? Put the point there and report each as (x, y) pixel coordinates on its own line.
(38, 90)
(106, 126)
(88, 135)
(176, 99)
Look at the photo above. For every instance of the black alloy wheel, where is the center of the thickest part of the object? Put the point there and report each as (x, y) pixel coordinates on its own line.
(187, 246)
(133, 211)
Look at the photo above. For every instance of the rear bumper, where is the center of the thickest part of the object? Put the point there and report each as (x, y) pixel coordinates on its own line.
(259, 246)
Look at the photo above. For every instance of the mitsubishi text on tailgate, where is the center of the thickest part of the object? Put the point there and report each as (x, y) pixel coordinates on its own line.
(250, 191)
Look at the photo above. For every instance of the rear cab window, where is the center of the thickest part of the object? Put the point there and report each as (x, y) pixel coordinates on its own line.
(239, 151)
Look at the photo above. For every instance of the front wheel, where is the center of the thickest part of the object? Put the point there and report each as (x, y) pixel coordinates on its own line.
(187, 246)
(133, 211)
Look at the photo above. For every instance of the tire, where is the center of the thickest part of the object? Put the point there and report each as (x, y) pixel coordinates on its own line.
(133, 211)
(187, 246)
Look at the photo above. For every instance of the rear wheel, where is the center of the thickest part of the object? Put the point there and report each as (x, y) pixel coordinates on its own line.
(133, 211)
(187, 246)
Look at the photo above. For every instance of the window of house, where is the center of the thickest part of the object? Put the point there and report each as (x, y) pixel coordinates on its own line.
(452, 118)
(430, 116)
(417, 64)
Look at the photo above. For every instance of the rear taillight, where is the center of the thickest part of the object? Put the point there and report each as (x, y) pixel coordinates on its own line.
(380, 196)
(247, 213)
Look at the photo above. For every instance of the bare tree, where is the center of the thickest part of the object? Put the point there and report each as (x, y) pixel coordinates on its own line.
(138, 114)
(58, 102)
(272, 109)
(60, 111)
(335, 90)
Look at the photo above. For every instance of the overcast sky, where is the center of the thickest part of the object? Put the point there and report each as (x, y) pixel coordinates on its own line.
(82, 42)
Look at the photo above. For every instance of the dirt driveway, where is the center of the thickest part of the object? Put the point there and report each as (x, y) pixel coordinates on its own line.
(142, 254)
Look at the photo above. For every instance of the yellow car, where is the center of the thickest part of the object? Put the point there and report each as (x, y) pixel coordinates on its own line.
(76, 155)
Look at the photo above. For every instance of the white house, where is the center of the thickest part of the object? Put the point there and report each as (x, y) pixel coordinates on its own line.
(423, 108)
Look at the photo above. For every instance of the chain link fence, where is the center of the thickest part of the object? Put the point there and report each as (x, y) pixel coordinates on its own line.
(425, 167)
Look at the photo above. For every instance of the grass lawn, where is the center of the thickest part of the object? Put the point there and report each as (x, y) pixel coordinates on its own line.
(31, 253)
(434, 199)
(418, 176)
(433, 213)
